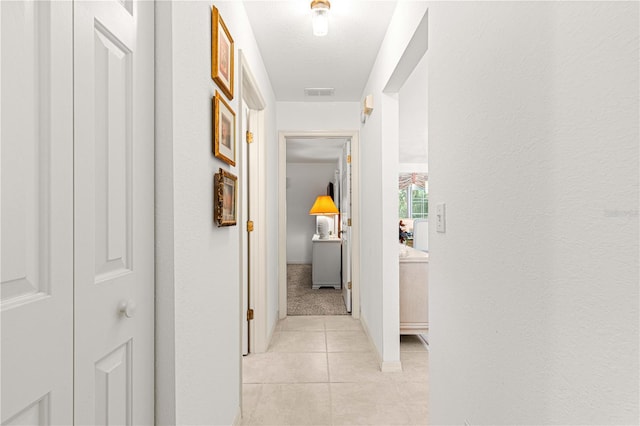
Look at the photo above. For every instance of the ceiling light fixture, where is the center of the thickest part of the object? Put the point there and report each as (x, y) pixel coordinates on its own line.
(320, 17)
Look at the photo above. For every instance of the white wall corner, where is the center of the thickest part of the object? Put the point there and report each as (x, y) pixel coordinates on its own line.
(401, 49)
(391, 366)
(385, 366)
(165, 360)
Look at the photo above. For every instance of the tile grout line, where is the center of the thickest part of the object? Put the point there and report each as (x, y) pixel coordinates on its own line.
(326, 347)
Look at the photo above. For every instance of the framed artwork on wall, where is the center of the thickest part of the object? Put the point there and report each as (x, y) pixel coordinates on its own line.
(224, 130)
(225, 198)
(221, 54)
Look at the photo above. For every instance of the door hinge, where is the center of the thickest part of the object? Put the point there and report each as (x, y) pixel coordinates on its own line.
(349, 285)
(348, 159)
(249, 137)
(249, 314)
(249, 226)
(349, 222)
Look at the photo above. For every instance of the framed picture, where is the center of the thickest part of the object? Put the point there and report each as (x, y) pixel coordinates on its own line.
(225, 198)
(221, 54)
(224, 130)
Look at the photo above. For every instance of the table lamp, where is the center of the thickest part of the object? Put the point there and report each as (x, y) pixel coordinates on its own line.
(324, 206)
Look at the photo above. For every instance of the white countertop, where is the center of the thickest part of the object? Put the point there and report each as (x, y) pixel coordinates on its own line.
(409, 254)
(329, 239)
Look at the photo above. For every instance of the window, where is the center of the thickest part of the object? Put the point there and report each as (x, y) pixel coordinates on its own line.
(403, 211)
(413, 202)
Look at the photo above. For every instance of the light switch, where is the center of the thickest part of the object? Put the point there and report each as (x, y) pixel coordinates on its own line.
(440, 217)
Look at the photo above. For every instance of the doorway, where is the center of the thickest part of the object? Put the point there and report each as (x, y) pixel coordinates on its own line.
(316, 199)
(343, 229)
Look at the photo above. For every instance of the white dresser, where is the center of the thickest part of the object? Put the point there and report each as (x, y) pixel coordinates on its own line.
(326, 257)
(414, 291)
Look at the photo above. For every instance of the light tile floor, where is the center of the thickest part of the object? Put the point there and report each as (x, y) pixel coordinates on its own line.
(322, 370)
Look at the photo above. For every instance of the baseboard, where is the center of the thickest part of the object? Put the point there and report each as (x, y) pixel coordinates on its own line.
(238, 420)
(298, 262)
(391, 366)
(385, 366)
(363, 322)
(270, 333)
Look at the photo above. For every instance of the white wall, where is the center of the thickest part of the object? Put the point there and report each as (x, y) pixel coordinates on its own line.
(413, 168)
(533, 145)
(305, 183)
(379, 191)
(413, 117)
(198, 298)
(321, 116)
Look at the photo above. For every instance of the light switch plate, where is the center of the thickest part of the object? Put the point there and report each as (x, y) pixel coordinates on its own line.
(440, 217)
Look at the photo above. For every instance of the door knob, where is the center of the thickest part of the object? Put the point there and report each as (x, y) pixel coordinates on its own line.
(128, 308)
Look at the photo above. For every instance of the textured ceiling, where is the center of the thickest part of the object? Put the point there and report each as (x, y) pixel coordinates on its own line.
(295, 59)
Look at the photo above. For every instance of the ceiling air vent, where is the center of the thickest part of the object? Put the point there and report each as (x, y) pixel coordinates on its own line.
(319, 91)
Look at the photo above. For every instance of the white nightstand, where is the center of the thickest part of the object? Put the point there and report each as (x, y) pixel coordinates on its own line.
(325, 269)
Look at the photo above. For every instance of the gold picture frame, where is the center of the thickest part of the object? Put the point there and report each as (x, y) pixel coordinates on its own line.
(224, 130)
(225, 198)
(222, 54)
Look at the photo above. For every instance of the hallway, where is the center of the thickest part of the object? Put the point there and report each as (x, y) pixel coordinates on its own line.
(322, 370)
(143, 204)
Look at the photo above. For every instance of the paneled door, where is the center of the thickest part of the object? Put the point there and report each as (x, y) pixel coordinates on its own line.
(114, 212)
(36, 122)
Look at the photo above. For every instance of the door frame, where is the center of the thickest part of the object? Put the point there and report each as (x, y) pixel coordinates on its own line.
(251, 97)
(353, 135)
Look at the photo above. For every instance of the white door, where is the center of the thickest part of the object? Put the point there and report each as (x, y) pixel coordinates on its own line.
(114, 212)
(244, 203)
(252, 215)
(345, 215)
(36, 122)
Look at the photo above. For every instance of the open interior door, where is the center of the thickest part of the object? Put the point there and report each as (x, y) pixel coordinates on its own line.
(249, 209)
(345, 215)
(244, 203)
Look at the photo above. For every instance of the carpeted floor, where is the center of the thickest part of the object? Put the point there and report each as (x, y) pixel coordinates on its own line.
(302, 300)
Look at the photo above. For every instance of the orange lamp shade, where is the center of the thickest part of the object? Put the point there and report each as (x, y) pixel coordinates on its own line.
(324, 205)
